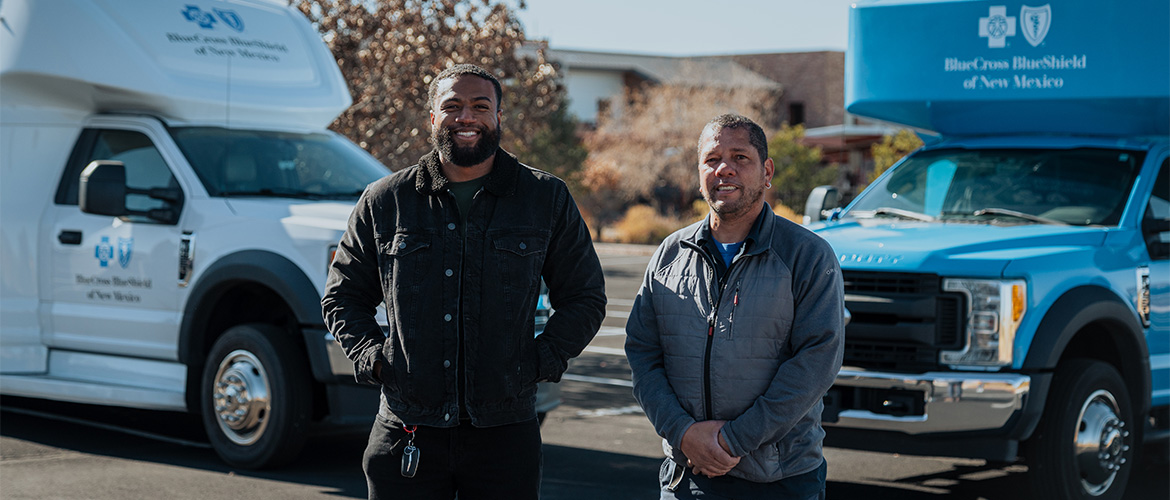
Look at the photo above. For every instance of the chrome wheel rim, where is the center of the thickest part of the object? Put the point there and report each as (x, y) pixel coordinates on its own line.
(241, 397)
(1100, 443)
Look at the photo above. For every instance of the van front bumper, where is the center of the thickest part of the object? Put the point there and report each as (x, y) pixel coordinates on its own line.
(928, 403)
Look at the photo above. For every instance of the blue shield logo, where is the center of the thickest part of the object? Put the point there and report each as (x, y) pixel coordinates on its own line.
(230, 18)
(125, 246)
(1035, 22)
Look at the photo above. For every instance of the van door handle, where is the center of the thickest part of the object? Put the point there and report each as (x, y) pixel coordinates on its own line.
(69, 237)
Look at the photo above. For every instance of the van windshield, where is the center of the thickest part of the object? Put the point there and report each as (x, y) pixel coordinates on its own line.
(1005, 186)
(242, 163)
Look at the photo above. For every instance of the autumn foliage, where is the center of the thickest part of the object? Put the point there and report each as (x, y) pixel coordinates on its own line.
(388, 51)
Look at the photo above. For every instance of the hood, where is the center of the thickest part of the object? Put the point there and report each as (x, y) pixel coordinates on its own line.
(314, 220)
(947, 248)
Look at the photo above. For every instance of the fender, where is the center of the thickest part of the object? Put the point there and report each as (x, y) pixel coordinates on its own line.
(266, 268)
(1070, 314)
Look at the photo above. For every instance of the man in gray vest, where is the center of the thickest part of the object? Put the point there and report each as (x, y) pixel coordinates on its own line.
(736, 335)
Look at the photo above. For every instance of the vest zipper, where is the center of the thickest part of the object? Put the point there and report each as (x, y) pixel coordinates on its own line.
(719, 287)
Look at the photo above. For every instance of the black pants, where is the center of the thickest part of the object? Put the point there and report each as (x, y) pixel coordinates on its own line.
(477, 463)
(807, 486)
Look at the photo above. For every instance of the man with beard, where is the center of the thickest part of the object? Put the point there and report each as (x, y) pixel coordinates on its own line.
(736, 335)
(455, 247)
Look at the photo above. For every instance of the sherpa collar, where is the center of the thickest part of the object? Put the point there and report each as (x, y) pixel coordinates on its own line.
(501, 181)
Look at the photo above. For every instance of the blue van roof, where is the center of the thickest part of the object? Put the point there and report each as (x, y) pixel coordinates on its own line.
(970, 67)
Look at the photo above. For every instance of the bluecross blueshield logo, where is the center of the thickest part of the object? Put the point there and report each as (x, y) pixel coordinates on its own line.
(208, 20)
(998, 26)
(1035, 22)
(125, 246)
(104, 251)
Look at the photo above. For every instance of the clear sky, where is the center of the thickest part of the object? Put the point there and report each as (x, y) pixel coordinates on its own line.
(689, 27)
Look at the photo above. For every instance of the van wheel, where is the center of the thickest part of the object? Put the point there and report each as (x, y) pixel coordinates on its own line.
(255, 397)
(1084, 445)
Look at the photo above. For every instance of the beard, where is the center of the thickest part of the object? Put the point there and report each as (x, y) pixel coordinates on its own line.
(484, 148)
(734, 209)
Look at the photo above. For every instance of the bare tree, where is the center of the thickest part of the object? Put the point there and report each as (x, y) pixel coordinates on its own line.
(647, 149)
(389, 50)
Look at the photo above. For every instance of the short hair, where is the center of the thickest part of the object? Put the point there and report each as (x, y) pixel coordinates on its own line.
(459, 70)
(725, 121)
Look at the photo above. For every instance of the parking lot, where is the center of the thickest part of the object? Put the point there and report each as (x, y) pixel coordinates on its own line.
(598, 444)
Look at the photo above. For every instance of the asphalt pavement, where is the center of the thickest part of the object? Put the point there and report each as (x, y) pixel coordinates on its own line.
(597, 445)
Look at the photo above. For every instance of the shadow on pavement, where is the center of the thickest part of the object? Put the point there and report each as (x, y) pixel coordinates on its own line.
(579, 474)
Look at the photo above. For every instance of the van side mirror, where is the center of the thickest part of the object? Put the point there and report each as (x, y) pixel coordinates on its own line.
(103, 188)
(1157, 236)
(103, 191)
(820, 201)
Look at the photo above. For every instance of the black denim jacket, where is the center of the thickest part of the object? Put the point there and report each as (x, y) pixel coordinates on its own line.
(403, 248)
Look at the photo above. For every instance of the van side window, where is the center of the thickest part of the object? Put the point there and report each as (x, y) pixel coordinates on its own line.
(145, 167)
(1156, 222)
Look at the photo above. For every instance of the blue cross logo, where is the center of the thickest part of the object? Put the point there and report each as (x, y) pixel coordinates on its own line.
(104, 251)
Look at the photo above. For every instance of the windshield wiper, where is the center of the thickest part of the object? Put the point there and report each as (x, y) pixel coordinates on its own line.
(905, 214)
(269, 193)
(1018, 215)
(342, 194)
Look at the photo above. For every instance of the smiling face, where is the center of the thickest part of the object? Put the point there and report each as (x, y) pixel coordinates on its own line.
(732, 176)
(465, 121)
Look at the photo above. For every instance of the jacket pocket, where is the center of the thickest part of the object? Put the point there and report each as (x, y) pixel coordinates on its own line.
(403, 265)
(519, 256)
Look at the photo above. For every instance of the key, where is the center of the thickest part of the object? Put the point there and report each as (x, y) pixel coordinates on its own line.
(410, 454)
(409, 461)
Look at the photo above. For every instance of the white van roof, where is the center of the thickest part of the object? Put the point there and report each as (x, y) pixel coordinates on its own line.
(239, 63)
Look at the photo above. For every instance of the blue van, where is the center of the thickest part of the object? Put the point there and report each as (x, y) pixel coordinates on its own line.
(1009, 282)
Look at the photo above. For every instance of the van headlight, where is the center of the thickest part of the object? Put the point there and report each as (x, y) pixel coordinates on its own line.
(994, 311)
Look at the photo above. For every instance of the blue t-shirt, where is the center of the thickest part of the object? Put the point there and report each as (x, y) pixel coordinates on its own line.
(728, 251)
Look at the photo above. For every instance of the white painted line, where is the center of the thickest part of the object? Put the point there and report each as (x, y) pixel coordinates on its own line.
(605, 350)
(617, 314)
(610, 412)
(598, 380)
(611, 331)
(619, 302)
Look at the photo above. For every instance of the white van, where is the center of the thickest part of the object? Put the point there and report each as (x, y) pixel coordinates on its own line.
(170, 200)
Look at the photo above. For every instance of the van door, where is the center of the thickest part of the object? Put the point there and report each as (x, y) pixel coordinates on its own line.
(114, 280)
(1157, 235)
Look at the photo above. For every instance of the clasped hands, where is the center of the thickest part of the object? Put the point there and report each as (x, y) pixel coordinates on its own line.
(707, 453)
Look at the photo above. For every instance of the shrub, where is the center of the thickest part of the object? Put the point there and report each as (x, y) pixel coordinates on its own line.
(787, 213)
(643, 224)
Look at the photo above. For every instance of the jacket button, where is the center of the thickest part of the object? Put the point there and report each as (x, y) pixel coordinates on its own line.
(446, 363)
(523, 246)
(451, 226)
(402, 245)
(449, 273)
(446, 317)
(446, 416)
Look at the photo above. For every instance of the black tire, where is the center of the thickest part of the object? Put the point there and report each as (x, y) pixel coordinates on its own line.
(255, 397)
(1084, 446)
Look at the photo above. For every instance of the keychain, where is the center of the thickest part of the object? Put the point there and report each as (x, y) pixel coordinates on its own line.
(410, 453)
